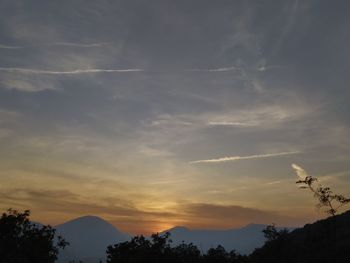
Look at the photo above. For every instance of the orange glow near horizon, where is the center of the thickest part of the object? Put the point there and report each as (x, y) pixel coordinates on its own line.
(155, 114)
(146, 207)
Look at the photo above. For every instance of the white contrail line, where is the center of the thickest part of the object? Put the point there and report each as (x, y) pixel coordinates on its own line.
(237, 158)
(70, 44)
(72, 72)
(215, 69)
(67, 44)
(228, 123)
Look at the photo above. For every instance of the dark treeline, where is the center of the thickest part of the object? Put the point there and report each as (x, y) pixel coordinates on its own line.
(158, 249)
(326, 240)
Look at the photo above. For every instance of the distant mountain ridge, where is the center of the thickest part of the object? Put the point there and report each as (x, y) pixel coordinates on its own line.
(243, 240)
(89, 237)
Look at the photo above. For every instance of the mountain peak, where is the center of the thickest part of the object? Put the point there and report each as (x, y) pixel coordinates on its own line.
(178, 229)
(87, 220)
(89, 237)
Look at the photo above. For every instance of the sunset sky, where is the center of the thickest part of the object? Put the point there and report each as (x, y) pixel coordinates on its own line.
(158, 113)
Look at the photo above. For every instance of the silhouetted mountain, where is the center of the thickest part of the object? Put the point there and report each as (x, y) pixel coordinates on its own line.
(243, 240)
(89, 237)
(326, 240)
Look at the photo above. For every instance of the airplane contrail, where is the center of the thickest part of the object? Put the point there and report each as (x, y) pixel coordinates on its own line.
(229, 123)
(71, 72)
(215, 69)
(68, 44)
(237, 158)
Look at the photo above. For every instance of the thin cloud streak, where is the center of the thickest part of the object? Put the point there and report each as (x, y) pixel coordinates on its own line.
(215, 69)
(71, 72)
(238, 158)
(70, 44)
(67, 44)
(228, 123)
(83, 71)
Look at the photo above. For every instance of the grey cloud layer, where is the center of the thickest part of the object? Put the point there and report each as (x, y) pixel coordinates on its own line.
(162, 83)
(219, 65)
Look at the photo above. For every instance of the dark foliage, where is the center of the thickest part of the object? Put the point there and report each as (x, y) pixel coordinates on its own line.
(158, 249)
(21, 241)
(220, 255)
(271, 233)
(324, 241)
(326, 198)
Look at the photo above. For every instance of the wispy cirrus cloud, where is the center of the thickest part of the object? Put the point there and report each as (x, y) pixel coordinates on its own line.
(83, 45)
(268, 116)
(264, 116)
(223, 69)
(69, 72)
(228, 123)
(64, 44)
(238, 158)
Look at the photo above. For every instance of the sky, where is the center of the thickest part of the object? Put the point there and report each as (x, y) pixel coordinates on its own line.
(158, 113)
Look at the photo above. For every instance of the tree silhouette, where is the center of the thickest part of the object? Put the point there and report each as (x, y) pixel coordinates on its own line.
(22, 241)
(140, 249)
(271, 233)
(218, 255)
(158, 250)
(184, 253)
(313, 243)
(326, 198)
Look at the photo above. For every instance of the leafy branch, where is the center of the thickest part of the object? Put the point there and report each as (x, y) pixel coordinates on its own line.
(325, 196)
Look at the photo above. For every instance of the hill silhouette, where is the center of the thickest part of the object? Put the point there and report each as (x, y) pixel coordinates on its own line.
(243, 240)
(88, 238)
(325, 240)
